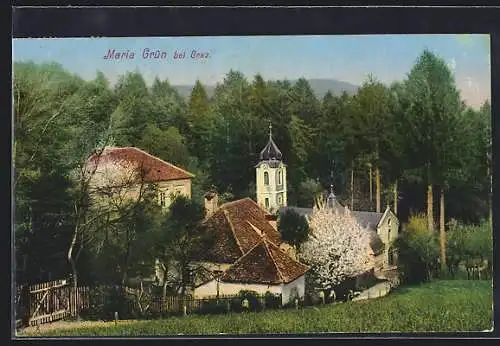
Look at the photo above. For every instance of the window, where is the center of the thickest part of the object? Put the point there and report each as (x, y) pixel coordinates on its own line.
(280, 200)
(266, 178)
(267, 202)
(391, 258)
(280, 177)
(162, 199)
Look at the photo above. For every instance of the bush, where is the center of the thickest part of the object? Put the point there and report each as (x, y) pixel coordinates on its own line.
(312, 299)
(253, 300)
(105, 301)
(418, 251)
(365, 281)
(471, 246)
(272, 301)
(235, 305)
(213, 307)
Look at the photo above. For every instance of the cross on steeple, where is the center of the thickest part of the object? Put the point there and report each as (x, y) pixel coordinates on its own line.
(270, 129)
(330, 200)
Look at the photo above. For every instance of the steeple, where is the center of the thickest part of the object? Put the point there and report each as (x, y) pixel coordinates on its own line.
(270, 174)
(331, 199)
(271, 150)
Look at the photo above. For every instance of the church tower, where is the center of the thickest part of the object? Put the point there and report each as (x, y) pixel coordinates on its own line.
(271, 177)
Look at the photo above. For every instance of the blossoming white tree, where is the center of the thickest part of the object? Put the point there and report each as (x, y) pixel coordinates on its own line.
(337, 248)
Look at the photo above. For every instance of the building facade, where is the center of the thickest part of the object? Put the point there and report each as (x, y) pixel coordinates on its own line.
(271, 177)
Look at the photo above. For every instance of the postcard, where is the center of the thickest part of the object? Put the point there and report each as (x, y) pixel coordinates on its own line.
(260, 185)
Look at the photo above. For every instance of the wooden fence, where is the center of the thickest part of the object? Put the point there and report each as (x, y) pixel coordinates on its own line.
(49, 301)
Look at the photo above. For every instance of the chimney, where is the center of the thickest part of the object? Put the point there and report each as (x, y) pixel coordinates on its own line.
(211, 202)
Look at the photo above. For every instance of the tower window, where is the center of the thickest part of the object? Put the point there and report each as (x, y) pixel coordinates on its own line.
(280, 177)
(280, 200)
(267, 202)
(266, 178)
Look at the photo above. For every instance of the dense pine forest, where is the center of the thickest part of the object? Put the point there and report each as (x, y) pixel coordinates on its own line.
(413, 145)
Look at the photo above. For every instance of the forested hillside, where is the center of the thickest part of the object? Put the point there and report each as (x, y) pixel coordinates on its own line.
(414, 141)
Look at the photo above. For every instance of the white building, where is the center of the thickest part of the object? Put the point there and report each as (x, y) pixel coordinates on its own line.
(244, 252)
(271, 177)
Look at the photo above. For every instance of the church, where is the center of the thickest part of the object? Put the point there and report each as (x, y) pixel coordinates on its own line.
(246, 251)
(271, 195)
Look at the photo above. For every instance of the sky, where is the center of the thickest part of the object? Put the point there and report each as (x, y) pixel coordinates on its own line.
(345, 58)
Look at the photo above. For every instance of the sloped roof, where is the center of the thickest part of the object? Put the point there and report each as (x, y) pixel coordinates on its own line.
(233, 229)
(222, 245)
(155, 169)
(270, 151)
(368, 220)
(265, 263)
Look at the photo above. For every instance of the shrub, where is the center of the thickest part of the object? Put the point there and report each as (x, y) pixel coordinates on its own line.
(365, 281)
(469, 245)
(235, 304)
(272, 301)
(418, 251)
(342, 290)
(105, 301)
(312, 298)
(253, 300)
(213, 307)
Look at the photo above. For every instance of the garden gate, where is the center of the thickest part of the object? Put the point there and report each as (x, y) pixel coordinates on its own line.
(48, 302)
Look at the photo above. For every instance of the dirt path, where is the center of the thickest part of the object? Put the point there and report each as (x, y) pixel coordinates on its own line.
(37, 331)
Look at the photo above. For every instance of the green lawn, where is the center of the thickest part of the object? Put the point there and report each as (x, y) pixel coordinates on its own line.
(454, 305)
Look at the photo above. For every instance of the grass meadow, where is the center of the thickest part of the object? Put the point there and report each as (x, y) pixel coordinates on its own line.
(438, 306)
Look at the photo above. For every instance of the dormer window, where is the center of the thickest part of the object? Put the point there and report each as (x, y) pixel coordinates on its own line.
(266, 178)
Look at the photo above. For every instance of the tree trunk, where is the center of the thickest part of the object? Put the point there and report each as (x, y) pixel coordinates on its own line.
(164, 290)
(371, 188)
(377, 188)
(396, 197)
(74, 270)
(430, 209)
(352, 186)
(442, 234)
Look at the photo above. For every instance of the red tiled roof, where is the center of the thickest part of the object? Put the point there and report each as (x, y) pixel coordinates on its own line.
(243, 214)
(155, 168)
(233, 232)
(221, 246)
(265, 263)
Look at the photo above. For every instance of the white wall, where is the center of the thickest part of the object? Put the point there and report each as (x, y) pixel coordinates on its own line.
(270, 191)
(207, 289)
(299, 283)
(226, 288)
(181, 186)
(388, 232)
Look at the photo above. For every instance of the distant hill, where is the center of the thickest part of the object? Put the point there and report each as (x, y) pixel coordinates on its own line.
(336, 87)
(319, 86)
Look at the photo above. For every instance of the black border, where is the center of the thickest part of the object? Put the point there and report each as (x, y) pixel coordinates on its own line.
(210, 21)
(213, 21)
